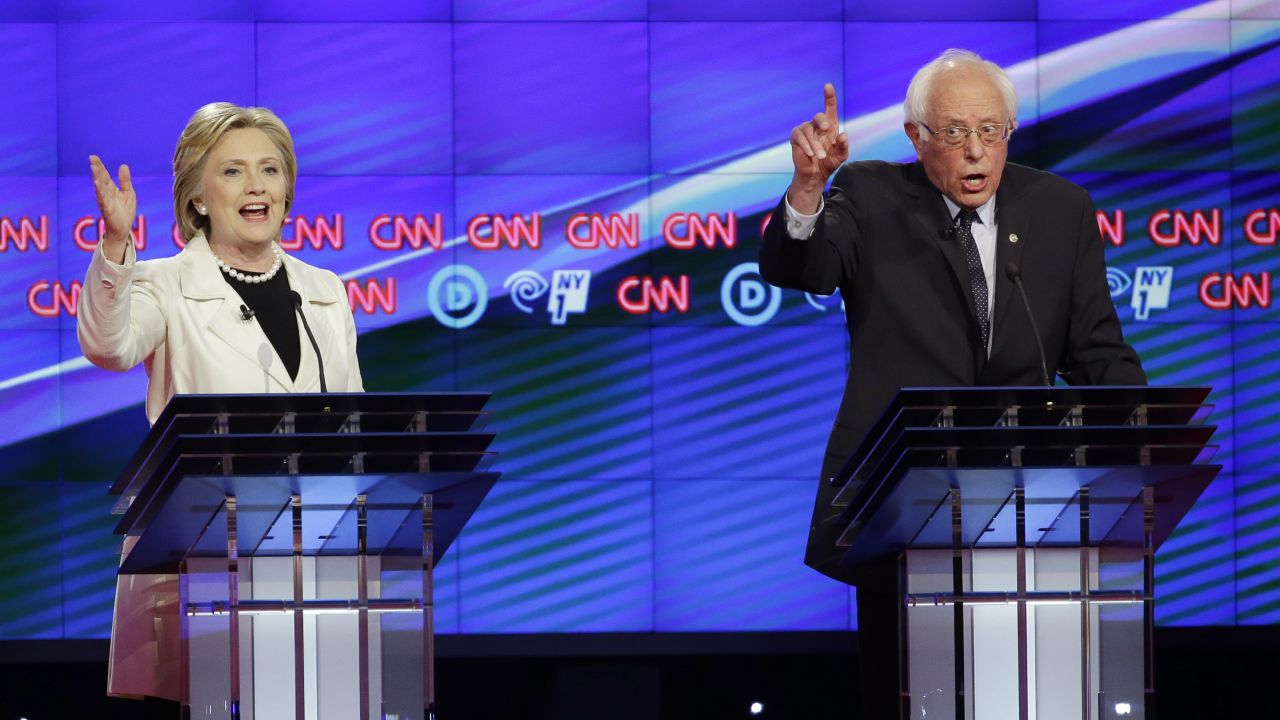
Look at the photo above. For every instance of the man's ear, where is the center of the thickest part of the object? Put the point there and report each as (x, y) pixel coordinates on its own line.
(917, 141)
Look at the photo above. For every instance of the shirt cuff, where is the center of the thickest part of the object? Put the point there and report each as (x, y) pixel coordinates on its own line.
(111, 275)
(799, 225)
(130, 256)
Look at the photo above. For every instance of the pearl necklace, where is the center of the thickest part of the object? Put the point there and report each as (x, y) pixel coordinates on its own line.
(252, 279)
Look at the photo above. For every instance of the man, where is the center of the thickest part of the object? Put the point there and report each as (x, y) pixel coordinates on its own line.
(918, 252)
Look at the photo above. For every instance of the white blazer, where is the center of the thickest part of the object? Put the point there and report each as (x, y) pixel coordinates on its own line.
(180, 317)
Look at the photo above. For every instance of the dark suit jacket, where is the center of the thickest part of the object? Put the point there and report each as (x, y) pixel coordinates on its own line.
(884, 241)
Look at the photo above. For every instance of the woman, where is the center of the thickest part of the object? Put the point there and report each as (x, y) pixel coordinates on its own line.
(218, 317)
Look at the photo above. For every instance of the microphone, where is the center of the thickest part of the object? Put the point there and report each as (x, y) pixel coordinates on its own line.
(245, 313)
(297, 306)
(1014, 273)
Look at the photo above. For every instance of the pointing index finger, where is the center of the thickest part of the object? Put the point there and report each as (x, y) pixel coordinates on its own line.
(829, 104)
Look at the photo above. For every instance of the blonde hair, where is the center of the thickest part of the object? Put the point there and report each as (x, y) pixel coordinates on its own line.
(205, 128)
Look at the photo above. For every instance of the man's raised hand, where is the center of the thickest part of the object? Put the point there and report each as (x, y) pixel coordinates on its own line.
(818, 149)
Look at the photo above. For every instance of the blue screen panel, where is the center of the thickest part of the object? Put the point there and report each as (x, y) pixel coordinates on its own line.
(1124, 9)
(712, 103)
(154, 11)
(28, 11)
(1194, 568)
(543, 10)
(743, 402)
(739, 10)
(28, 133)
(525, 567)
(346, 11)
(727, 558)
(361, 99)
(929, 10)
(567, 403)
(1170, 109)
(445, 589)
(165, 70)
(1255, 100)
(551, 98)
(31, 570)
(29, 405)
(1257, 582)
(1256, 450)
(89, 559)
(415, 356)
(1257, 559)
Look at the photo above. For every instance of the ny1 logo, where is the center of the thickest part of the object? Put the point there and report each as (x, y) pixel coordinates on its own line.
(568, 292)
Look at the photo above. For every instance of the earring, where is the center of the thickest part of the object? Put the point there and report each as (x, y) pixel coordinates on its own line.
(202, 209)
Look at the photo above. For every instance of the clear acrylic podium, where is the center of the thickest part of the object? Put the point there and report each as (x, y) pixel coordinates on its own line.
(304, 530)
(1024, 523)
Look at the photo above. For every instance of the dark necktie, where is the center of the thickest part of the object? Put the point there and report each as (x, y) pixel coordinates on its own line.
(977, 277)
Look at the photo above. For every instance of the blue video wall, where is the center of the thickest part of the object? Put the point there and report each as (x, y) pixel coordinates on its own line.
(560, 202)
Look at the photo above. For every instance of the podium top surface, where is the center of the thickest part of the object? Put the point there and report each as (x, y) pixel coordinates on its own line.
(302, 434)
(192, 519)
(1035, 394)
(326, 449)
(1025, 407)
(303, 413)
(1059, 447)
(321, 404)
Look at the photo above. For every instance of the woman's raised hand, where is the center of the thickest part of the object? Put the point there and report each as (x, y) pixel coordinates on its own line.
(118, 205)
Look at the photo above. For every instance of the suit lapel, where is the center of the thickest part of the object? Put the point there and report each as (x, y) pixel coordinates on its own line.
(202, 283)
(930, 214)
(317, 295)
(1012, 222)
(931, 217)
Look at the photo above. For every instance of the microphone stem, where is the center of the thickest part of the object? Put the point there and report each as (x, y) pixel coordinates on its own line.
(297, 305)
(1044, 367)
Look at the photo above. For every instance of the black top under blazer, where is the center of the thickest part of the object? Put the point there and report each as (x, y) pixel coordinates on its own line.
(883, 240)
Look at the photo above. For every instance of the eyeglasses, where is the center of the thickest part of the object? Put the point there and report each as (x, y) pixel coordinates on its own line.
(957, 135)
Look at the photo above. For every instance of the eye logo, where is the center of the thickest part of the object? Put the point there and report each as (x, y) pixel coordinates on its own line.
(525, 286)
(1118, 282)
(457, 296)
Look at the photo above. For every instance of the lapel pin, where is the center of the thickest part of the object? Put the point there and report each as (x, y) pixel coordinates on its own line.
(1013, 237)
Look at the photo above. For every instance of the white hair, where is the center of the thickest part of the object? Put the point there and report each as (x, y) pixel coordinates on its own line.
(916, 106)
